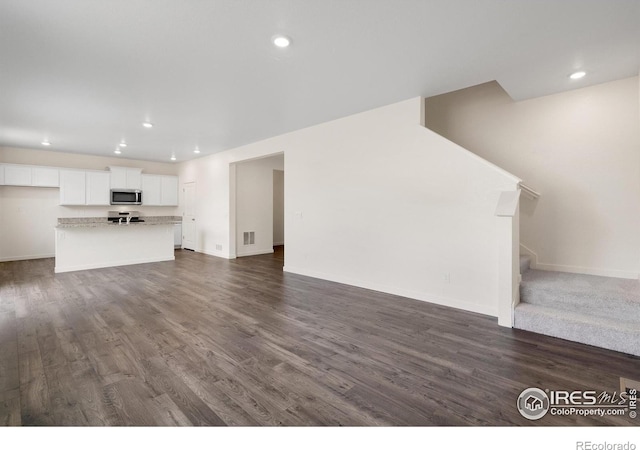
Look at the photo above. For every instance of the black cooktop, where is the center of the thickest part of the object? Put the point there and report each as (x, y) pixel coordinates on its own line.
(124, 219)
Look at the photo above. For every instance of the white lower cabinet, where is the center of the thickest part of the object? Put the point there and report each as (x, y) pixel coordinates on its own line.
(177, 235)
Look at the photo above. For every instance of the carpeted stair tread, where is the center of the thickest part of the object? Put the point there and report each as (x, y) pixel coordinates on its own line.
(525, 263)
(600, 296)
(614, 334)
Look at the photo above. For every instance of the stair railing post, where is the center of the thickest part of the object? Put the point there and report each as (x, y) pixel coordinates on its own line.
(508, 212)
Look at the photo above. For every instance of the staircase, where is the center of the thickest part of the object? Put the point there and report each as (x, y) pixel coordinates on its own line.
(594, 310)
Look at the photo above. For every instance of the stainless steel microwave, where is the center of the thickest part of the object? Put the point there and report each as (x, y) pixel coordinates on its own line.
(126, 197)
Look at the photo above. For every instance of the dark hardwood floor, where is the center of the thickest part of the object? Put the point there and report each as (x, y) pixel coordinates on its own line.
(206, 341)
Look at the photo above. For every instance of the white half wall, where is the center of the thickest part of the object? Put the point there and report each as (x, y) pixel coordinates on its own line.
(254, 204)
(580, 149)
(84, 248)
(378, 201)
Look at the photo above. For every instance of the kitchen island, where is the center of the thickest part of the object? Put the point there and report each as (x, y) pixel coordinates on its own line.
(93, 242)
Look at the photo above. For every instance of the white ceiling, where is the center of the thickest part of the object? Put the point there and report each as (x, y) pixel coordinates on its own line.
(85, 73)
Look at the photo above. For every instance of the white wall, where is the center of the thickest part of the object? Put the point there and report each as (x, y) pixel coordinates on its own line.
(28, 215)
(27, 219)
(580, 149)
(254, 204)
(278, 207)
(374, 200)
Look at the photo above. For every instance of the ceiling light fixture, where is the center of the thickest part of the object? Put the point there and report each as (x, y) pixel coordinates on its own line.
(122, 144)
(281, 41)
(117, 151)
(577, 75)
(46, 143)
(147, 124)
(173, 158)
(197, 150)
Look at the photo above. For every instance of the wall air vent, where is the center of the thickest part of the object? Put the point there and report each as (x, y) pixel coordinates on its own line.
(249, 237)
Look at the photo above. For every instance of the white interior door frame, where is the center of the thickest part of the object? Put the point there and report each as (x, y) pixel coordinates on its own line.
(189, 216)
(232, 211)
(233, 201)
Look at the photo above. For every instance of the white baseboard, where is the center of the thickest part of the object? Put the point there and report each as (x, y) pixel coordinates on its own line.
(26, 257)
(614, 273)
(278, 243)
(215, 253)
(255, 252)
(127, 262)
(422, 296)
(232, 256)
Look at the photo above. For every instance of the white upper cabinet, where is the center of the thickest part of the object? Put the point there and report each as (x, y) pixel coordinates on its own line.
(118, 178)
(80, 187)
(17, 175)
(134, 178)
(23, 175)
(125, 178)
(98, 188)
(159, 190)
(45, 176)
(92, 187)
(151, 190)
(169, 190)
(72, 187)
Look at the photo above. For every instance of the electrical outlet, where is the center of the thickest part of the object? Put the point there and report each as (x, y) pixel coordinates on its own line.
(447, 278)
(218, 247)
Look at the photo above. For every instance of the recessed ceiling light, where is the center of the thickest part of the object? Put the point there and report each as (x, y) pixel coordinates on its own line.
(281, 41)
(197, 150)
(147, 124)
(46, 143)
(173, 158)
(117, 151)
(122, 144)
(577, 75)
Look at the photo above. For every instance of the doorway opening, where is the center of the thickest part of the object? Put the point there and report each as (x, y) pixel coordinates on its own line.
(278, 214)
(257, 209)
